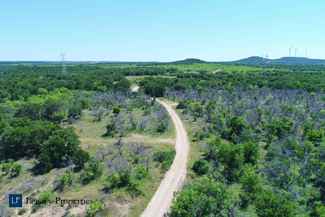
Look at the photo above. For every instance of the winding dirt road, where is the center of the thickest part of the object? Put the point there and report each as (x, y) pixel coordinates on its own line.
(175, 176)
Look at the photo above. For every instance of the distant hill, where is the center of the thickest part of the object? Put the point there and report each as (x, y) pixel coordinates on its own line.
(255, 60)
(189, 61)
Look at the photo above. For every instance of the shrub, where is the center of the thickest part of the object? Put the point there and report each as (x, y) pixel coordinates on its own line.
(11, 169)
(118, 180)
(94, 208)
(92, 170)
(140, 172)
(46, 197)
(116, 110)
(79, 159)
(165, 158)
(110, 130)
(201, 167)
(65, 180)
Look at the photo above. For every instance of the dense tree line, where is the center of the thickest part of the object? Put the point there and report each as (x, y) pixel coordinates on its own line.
(21, 82)
(312, 81)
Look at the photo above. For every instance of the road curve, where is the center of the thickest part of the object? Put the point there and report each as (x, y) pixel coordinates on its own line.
(175, 176)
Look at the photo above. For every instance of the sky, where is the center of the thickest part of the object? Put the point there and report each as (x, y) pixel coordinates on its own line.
(160, 30)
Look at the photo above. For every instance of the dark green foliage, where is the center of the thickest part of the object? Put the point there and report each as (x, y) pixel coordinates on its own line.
(59, 150)
(232, 158)
(110, 130)
(116, 110)
(126, 179)
(251, 184)
(165, 158)
(25, 137)
(161, 127)
(251, 153)
(201, 167)
(140, 172)
(119, 180)
(93, 170)
(155, 87)
(79, 159)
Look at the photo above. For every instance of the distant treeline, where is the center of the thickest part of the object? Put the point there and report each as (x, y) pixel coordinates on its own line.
(277, 79)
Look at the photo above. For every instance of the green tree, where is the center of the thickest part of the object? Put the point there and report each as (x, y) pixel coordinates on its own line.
(204, 197)
(271, 204)
(59, 149)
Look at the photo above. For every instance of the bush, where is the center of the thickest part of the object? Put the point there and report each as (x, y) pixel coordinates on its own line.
(79, 159)
(201, 167)
(123, 179)
(140, 172)
(65, 180)
(44, 198)
(92, 170)
(11, 169)
(94, 208)
(110, 130)
(165, 158)
(116, 110)
(118, 180)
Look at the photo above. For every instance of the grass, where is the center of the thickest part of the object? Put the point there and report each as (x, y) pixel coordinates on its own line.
(90, 134)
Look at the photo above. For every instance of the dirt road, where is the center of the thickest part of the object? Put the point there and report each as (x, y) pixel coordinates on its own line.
(175, 176)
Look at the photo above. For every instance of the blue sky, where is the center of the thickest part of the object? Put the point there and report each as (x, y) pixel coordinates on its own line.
(163, 30)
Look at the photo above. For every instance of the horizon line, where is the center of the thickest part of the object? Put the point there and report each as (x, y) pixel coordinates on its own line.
(153, 61)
